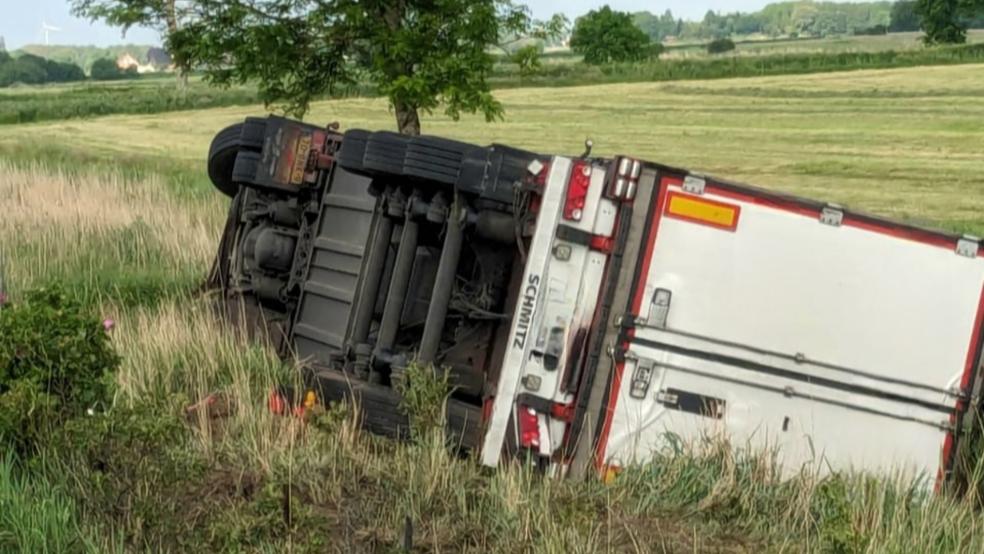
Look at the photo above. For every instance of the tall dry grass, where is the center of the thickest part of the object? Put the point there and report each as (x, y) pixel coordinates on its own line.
(357, 492)
(102, 233)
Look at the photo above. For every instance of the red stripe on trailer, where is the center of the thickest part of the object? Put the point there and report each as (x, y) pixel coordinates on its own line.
(850, 220)
(961, 405)
(647, 258)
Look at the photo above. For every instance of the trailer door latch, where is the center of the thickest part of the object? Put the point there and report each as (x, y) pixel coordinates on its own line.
(642, 377)
(832, 215)
(968, 246)
(659, 310)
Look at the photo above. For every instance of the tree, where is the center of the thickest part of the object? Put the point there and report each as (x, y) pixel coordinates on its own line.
(904, 17)
(720, 45)
(164, 15)
(941, 21)
(605, 35)
(58, 72)
(420, 54)
(105, 69)
(23, 69)
(946, 21)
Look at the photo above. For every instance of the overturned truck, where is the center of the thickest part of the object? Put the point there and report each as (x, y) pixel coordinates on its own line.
(589, 310)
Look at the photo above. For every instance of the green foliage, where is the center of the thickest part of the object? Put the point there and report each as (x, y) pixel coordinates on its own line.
(654, 50)
(84, 56)
(656, 27)
(422, 55)
(604, 36)
(132, 465)
(55, 362)
(904, 17)
(873, 31)
(36, 515)
(30, 69)
(796, 18)
(138, 96)
(21, 70)
(832, 505)
(527, 59)
(720, 45)
(742, 66)
(106, 69)
(941, 21)
(947, 21)
(424, 391)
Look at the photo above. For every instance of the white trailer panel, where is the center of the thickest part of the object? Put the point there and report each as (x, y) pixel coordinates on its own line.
(842, 340)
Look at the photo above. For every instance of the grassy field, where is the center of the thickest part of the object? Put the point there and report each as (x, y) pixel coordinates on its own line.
(903, 143)
(158, 94)
(856, 43)
(118, 209)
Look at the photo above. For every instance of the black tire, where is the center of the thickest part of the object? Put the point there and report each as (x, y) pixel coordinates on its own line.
(253, 133)
(222, 159)
(247, 165)
(385, 153)
(437, 144)
(353, 150)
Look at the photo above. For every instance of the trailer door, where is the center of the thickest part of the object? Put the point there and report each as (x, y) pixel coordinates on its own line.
(840, 340)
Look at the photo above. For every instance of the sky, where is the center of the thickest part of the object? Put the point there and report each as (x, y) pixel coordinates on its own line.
(20, 20)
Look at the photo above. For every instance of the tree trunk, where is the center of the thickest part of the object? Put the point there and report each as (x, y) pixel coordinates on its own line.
(181, 74)
(407, 119)
(171, 15)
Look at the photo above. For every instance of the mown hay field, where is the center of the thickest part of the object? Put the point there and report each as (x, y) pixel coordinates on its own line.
(119, 210)
(904, 143)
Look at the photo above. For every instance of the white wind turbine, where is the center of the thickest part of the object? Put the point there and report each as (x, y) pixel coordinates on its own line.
(48, 29)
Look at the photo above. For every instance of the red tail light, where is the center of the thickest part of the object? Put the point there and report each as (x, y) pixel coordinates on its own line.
(529, 428)
(577, 191)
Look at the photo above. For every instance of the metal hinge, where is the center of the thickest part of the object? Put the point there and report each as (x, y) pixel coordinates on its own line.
(832, 215)
(968, 246)
(694, 184)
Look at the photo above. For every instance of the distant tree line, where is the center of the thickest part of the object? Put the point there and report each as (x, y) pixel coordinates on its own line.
(804, 18)
(32, 70)
(29, 69)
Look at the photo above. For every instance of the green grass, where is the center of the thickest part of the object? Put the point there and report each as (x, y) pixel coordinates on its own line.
(118, 208)
(734, 65)
(92, 99)
(854, 43)
(158, 93)
(900, 143)
(38, 515)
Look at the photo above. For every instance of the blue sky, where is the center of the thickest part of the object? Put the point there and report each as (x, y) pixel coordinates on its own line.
(20, 20)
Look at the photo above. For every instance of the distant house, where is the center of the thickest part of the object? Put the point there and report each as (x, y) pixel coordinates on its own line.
(3, 45)
(159, 58)
(127, 62)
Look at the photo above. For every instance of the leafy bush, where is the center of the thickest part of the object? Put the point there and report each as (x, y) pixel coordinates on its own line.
(56, 361)
(720, 45)
(21, 70)
(424, 391)
(30, 69)
(106, 69)
(654, 50)
(528, 59)
(133, 465)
